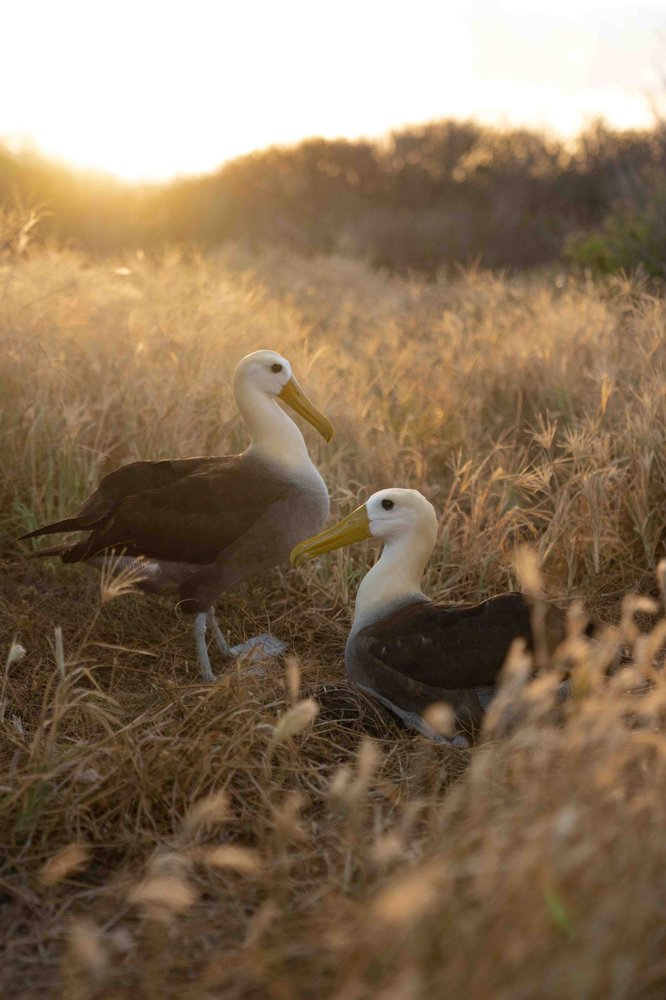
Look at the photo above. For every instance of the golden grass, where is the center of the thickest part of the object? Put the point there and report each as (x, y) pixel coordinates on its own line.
(277, 835)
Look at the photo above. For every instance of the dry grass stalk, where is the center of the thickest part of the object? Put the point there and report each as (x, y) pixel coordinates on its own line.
(118, 577)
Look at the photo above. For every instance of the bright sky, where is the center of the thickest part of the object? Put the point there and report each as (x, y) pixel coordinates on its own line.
(151, 88)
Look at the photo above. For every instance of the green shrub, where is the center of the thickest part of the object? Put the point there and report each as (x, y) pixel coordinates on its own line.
(630, 238)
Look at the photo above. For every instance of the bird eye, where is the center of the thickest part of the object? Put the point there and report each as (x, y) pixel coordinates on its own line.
(388, 504)
(276, 368)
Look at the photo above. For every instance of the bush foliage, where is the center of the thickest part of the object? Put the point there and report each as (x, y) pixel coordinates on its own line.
(447, 192)
(633, 236)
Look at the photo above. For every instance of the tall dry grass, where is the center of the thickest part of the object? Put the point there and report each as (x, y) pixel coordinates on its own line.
(277, 835)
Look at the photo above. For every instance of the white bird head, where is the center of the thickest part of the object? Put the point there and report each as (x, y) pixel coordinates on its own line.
(269, 373)
(388, 515)
(396, 512)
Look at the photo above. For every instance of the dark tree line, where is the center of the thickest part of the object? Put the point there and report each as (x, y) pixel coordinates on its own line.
(426, 197)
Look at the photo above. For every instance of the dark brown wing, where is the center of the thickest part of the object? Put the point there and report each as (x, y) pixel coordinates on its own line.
(445, 646)
(425, 652)
(192, 519)
(129, 480)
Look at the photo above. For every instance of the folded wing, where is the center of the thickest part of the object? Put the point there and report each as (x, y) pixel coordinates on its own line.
(187, 510)
(446, 646)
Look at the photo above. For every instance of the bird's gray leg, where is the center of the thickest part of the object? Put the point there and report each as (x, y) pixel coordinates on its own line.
(220, 641)
(202, 653)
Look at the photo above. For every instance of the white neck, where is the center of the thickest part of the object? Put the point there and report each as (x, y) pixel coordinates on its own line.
(274, 436)
(395, 577)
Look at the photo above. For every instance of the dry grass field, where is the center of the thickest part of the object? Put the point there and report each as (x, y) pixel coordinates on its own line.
(164, 839)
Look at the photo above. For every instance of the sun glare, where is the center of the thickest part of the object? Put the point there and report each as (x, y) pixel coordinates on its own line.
(154, 90)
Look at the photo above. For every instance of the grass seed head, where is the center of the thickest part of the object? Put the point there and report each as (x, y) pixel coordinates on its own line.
(292, 678)
(16, 653)
(407, 898)
(207, 813)
(86, 947)
(294, 721)
(163, 897)
(66, 862)
(441, 717)
(526, 563)
(119, 576)
(242, 860)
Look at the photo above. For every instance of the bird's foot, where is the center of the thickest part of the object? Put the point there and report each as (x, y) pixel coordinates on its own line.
(258, 649)
(260, 646)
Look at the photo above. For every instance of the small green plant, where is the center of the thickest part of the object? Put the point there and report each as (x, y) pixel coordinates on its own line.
(631, 238)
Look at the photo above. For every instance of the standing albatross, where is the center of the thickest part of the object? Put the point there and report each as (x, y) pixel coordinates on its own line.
(407, 650)
(197, 526)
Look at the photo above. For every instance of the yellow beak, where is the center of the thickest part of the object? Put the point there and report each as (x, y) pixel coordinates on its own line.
(353, 528)
(293, 396)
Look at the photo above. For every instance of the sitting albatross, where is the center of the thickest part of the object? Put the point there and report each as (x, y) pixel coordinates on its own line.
(407, 650)
(201, 525)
